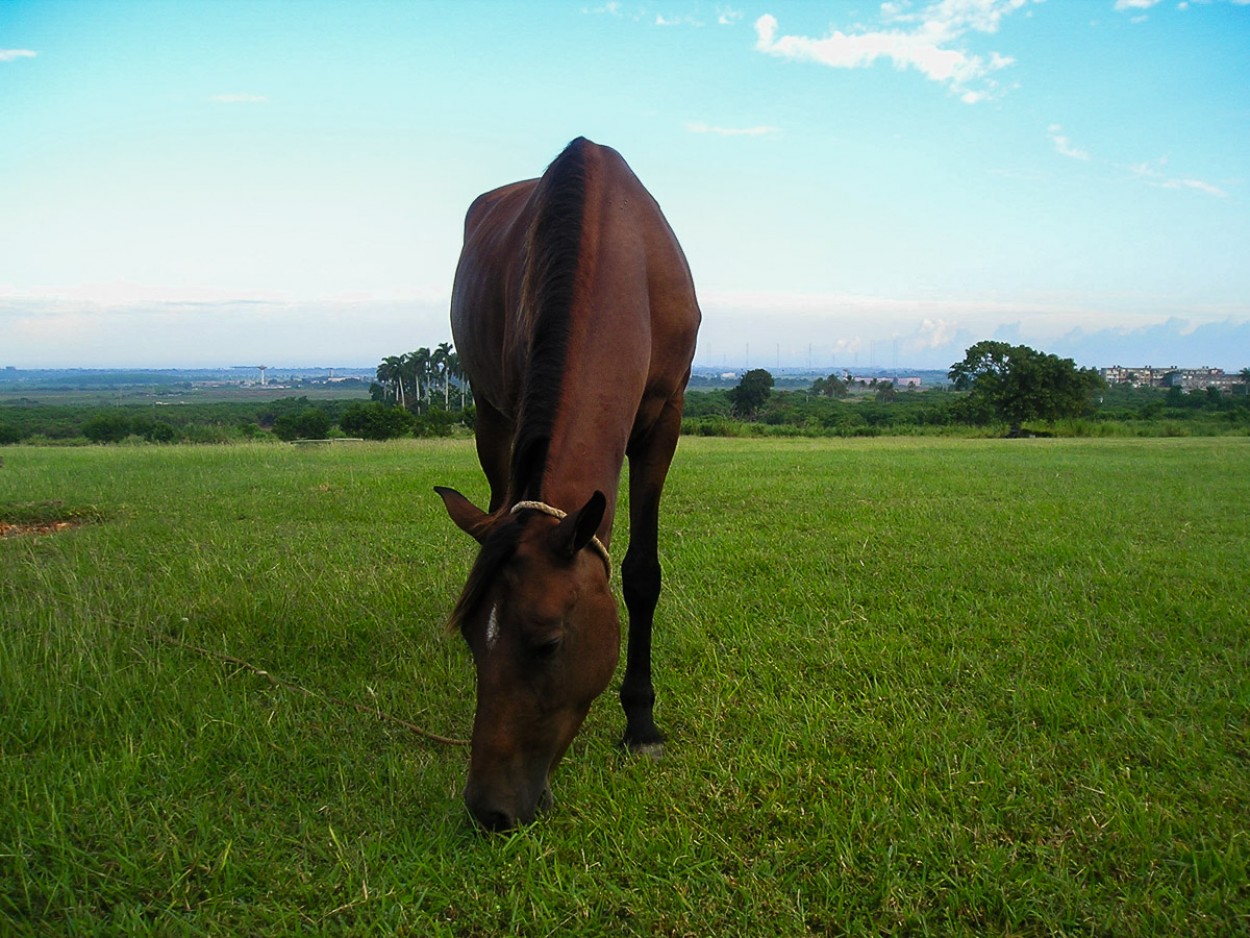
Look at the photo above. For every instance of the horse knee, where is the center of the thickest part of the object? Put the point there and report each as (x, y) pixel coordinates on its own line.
(640, 579)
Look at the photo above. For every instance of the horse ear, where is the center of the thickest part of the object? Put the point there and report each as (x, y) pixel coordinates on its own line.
(578, 529)
(468, 517)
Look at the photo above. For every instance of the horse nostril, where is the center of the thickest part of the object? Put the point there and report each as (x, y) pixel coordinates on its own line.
(496, 821)
(492, 819)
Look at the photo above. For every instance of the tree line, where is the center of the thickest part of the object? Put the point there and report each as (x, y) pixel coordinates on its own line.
(995, 388)
(1014, 388)
(420, 393)
(288, 418)
(417, 380)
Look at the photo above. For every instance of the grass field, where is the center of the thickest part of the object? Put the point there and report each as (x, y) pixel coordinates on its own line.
(910, 687)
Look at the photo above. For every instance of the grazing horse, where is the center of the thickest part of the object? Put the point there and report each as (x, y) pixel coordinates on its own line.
(574, 315)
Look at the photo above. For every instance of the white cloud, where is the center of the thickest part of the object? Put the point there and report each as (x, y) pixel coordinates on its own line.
(936, 333)
(1196, 184)
(1122, 6)
(698, 127)
(12, 55)
(848, 330)
(211, 330)
(1063, 146)
(641, 12)
(1149, 169)
(240, 98)
(928, 41)
(1172, 341)
(662, 20)
(1153, 171)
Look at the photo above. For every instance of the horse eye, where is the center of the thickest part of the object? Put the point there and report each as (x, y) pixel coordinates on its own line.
(547, 647)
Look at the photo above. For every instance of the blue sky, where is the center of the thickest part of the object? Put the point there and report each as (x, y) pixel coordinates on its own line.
(855, 184)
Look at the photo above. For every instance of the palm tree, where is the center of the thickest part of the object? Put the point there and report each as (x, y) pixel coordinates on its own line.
(411, 379)
(454, 371)
(419, 368)
(390, 374)
(440, 360)
(411, 389)
(383, 374)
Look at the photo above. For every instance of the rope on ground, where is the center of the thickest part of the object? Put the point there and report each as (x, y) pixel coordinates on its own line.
(290, 685)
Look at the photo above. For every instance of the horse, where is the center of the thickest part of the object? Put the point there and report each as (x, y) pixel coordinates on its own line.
(574, 314)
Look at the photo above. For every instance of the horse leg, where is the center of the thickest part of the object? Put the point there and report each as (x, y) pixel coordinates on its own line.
(492, 432)
(649, 459)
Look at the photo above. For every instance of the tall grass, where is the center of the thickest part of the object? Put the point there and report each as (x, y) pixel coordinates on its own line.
(910, 685)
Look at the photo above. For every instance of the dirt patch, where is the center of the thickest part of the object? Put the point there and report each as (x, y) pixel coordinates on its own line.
(15, 529)
(44, 518)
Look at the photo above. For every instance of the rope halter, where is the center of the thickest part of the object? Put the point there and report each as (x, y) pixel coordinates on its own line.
(544, 508)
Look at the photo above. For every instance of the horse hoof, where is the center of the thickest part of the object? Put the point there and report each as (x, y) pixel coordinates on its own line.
(652, 751)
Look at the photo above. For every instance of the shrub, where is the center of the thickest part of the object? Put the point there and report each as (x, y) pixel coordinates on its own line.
(375, 421)
(161, 432)
(207, 433)
(107, 428)
(309, 424)
(436, 422)
(713, 425)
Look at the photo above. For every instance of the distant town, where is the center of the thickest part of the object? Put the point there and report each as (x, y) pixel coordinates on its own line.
(1187, 379)
(353, 379)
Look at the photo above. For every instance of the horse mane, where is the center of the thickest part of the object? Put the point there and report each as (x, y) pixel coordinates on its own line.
(497, 549)
(549, 283)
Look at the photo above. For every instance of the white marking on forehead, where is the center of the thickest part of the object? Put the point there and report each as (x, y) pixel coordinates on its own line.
(492, 628)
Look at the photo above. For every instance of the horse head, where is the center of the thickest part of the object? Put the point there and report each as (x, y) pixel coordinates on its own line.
(541, 622)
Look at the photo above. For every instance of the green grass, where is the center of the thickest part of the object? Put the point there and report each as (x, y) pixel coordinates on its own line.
(911, 686)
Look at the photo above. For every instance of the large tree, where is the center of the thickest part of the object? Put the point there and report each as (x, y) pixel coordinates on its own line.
(1017, 383)
(751, 393)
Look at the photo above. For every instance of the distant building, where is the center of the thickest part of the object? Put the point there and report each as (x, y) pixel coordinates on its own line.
(1147, 376)
(1187, 379)
(873, 380)
(1199, 379)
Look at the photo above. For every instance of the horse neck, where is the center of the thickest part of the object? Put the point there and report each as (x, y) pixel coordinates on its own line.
(595, 415)
(605, 354)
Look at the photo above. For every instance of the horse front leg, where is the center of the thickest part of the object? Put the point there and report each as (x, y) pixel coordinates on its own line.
(493, 434)
(649, 459)
(640, 575)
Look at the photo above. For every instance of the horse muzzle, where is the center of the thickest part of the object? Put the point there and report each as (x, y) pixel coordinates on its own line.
(496, 812)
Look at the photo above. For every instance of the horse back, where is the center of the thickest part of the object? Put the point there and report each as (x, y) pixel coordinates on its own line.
(574, 311)
(632, 269)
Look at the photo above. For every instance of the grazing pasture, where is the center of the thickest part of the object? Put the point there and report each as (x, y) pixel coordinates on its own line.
(909, 685)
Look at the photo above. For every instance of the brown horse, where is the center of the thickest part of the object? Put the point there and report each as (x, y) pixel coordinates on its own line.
(575, 318)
